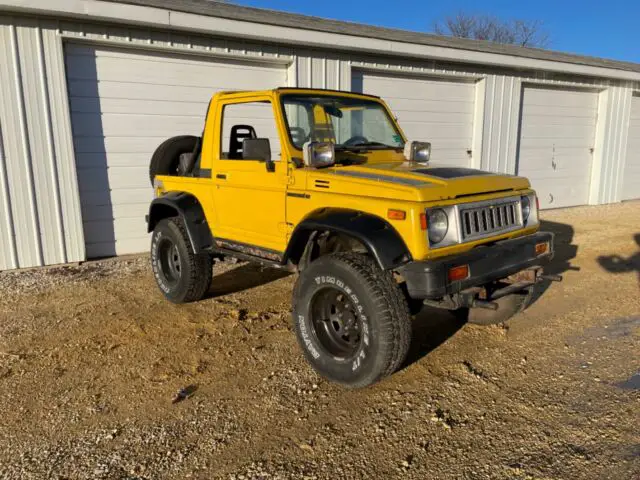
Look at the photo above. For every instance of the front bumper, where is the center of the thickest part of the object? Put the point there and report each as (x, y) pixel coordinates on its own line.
(429, 279)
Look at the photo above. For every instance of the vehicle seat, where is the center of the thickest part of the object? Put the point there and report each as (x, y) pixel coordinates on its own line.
(189, 162)
(238, 134)
(186, 164)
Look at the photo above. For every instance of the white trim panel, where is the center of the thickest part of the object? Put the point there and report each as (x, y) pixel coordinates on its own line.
(156, 17)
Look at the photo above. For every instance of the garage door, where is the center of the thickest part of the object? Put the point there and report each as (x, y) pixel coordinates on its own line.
(557, 134)
(435, 110)
(124, 103)
(631, 180)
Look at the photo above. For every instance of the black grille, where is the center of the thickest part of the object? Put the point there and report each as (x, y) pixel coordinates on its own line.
(483, 221)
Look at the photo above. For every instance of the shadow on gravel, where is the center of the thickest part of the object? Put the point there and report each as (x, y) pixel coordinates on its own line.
(564, 252)
(244, 277)
(431, 328)
(619, 264)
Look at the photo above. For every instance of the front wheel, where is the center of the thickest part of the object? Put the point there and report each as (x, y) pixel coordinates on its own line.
(182, 275)
(351, 319)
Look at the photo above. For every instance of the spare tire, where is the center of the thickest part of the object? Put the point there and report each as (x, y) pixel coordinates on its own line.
(166, 158)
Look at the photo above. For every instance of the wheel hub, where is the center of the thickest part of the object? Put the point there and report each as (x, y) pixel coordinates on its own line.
(335, 322)
(170, 261)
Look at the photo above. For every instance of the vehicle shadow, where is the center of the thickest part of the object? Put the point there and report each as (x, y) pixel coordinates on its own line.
(619, 264)
(243, 277)
(431, 328)
(564, 251)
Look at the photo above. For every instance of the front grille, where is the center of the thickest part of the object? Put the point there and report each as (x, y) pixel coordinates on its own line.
(490, 219)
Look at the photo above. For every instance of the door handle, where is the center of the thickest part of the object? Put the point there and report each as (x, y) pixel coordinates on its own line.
(221, 176)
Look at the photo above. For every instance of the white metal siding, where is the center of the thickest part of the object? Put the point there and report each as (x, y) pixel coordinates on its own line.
(436, 110)
(124, 103)
(500, 123)
(631, 176)
(38, 194)
(557, 137)
(40, 216)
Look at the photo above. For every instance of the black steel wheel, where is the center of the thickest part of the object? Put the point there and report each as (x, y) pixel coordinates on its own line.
(182, 275)
(336, 322)
(351, 319)
(170, 261)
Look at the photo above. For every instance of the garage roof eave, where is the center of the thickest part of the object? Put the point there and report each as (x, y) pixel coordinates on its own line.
(205, 16)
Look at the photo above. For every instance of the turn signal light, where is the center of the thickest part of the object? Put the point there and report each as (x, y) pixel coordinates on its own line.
(542, 248)
(396, 214)
(458, 273)
(423, 221)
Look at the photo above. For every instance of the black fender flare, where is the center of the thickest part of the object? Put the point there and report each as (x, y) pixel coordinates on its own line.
(382, 241)
(186, 206)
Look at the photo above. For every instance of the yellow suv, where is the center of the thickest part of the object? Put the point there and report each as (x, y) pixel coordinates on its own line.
(325, 184)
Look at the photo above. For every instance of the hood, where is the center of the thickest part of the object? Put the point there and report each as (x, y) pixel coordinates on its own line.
(410, 181)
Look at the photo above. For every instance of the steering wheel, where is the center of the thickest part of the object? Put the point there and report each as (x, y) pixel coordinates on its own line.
(356, 140)
(298, 135)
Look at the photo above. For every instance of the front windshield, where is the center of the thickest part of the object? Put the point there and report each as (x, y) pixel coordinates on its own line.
(351, 123)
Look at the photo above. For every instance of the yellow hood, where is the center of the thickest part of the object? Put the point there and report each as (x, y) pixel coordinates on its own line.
(413, 182)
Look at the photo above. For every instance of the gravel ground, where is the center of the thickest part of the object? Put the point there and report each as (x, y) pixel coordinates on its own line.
(92, 356)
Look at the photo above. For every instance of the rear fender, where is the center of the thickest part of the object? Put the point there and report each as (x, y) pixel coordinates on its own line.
(186, 206)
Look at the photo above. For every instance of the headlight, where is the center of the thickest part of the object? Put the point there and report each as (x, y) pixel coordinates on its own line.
(437, 225)
(526, 208)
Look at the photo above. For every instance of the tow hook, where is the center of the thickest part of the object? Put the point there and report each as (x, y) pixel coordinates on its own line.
(520, 286)
(552, 278)
(479, 303)
(470, 298)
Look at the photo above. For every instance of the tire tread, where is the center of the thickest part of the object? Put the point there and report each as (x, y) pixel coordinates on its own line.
(392, 309)
(200, 266)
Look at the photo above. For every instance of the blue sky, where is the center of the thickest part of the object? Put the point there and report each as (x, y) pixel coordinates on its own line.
(608, 29)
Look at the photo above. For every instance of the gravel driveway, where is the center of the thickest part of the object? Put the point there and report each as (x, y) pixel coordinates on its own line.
(91, 359)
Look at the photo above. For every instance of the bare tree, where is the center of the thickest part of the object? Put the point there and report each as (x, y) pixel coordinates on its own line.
(526, 33)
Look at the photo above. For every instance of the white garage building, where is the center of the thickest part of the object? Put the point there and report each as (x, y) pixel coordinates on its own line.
(89, 88)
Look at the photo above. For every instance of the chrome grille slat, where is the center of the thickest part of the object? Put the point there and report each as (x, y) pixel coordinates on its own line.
(489, 219)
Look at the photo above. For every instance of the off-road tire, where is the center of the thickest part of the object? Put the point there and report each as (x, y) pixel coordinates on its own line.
(384, 319)
(509, 306)
(195, 272)
(166, 158)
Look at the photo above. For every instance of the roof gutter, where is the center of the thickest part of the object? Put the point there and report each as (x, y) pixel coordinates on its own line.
(96, 10)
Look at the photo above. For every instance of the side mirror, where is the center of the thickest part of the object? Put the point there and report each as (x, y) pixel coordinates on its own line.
(419, 152)
(258, 149)
(319, 154)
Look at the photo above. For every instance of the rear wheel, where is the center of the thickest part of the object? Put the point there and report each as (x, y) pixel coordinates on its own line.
(351, 319)
(182, 275)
